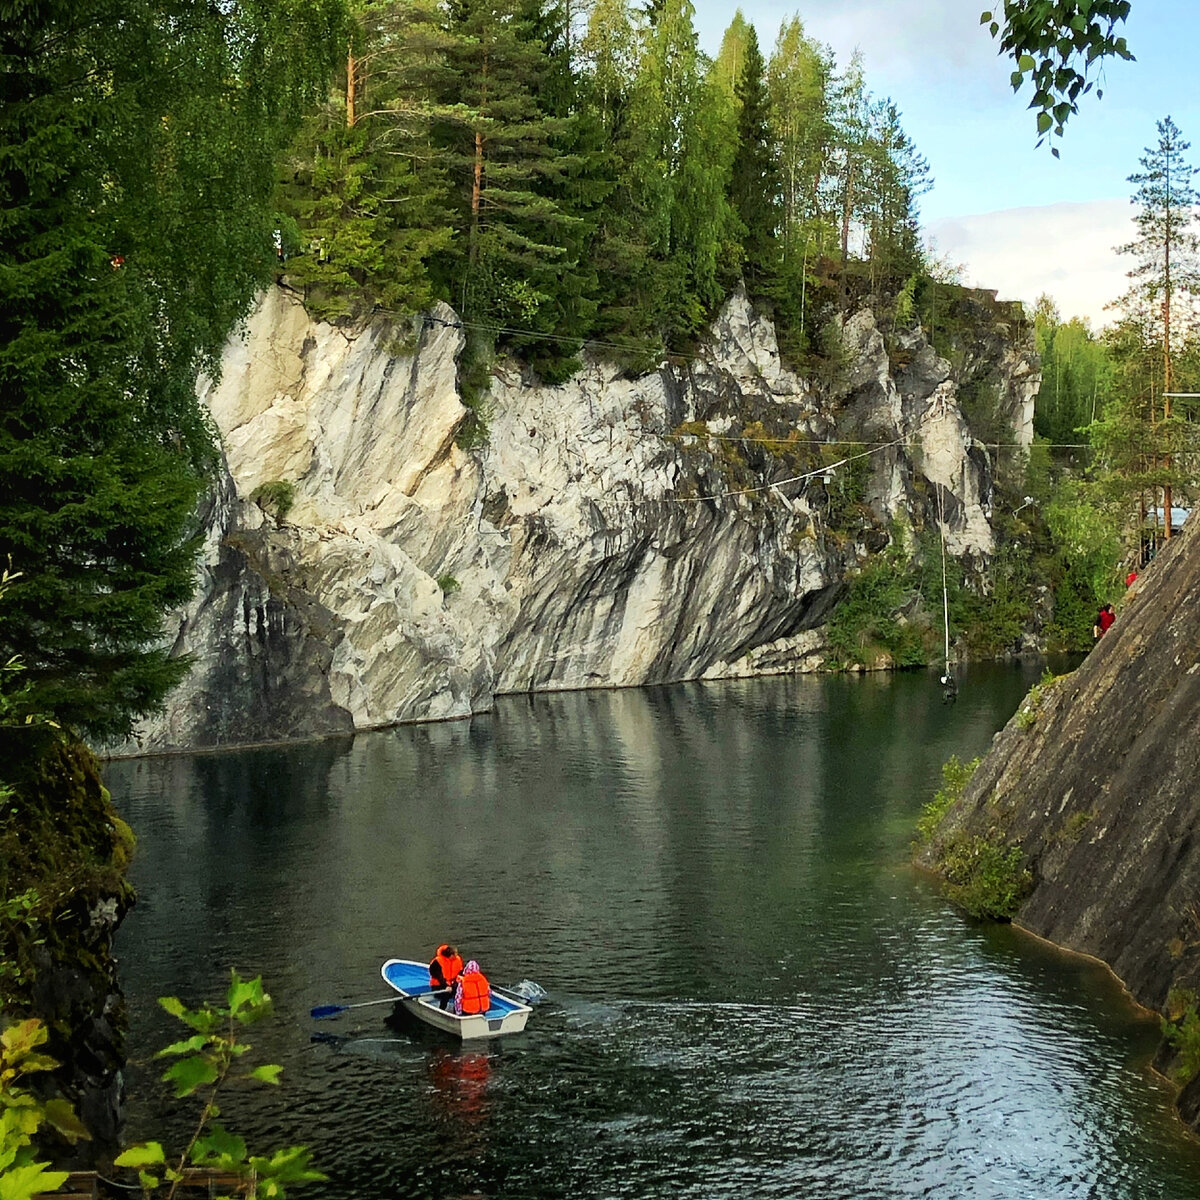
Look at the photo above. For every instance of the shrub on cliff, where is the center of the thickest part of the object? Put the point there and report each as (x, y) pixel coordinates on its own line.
(983, 875)
(868, 624)
(986, 878)
(955, 777)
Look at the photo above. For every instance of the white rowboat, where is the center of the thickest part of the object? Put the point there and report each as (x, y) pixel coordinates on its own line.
(507, 1014)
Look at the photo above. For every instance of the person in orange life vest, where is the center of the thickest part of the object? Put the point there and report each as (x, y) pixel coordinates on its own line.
(1104, 619)
(444, 969)
(473, 995)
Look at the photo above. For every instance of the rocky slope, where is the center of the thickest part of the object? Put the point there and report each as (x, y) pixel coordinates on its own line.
(613, 531)
(1095, 778)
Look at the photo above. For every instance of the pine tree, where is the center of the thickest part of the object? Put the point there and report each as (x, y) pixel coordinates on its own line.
(362, 192)
(851, 106)
(1166, 274)
(895, 176)
(501, 164)
(680, 154)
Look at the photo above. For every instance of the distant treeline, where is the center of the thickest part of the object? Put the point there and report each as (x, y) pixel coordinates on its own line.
(557, 179)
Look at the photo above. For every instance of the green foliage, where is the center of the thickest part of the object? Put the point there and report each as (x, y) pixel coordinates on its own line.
(984, 877)
(868, 622)
(23, 1115)
(1031, 707)
(136, 182)
(213, 1058)
(1086, 531)
(448, 584)
(63, 851)
(955, 777)
(1076, 377)
(344, 241)
(474, 379)
(277, 494)
(1054, 43)
(754, 174)
(1075, 824)
(556, 189)
(1182, 1032)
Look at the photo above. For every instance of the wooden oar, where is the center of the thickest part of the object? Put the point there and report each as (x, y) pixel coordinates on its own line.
(331, 1010)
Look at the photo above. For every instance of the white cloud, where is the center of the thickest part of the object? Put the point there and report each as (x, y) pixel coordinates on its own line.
(1064, 250)
(938, 43)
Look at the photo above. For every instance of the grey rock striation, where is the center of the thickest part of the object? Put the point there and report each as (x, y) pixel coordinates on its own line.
(613, 532)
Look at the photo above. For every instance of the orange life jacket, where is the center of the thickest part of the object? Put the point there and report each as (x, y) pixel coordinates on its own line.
(451, 966)
(476, 995)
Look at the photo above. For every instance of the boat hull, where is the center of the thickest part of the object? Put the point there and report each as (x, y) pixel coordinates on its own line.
(410, 979)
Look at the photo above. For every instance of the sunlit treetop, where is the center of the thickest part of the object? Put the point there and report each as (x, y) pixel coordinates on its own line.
(1055, 43)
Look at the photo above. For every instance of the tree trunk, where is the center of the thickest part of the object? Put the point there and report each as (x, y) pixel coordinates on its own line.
(847, 209)
(477, 173)
(351, 86)
(1167, 350)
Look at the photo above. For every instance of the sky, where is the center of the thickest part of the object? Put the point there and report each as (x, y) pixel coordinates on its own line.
(1010, 215)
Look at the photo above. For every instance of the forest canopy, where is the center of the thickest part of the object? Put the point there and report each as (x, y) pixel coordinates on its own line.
(559, 180)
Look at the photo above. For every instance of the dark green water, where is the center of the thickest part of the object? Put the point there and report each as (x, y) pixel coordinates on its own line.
(751, 993)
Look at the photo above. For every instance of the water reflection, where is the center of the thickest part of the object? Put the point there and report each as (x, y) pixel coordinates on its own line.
(750, 991)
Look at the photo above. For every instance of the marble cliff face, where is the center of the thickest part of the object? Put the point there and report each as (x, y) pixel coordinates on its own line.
(613, 531)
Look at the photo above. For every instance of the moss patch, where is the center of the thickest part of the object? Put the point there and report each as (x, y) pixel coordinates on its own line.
(63, 851)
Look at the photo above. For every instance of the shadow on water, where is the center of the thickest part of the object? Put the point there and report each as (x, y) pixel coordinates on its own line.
(751, 992)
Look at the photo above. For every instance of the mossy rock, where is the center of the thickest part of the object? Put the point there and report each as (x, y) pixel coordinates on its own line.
(63, 852)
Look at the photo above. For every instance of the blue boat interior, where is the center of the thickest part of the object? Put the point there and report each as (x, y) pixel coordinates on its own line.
(413, 979)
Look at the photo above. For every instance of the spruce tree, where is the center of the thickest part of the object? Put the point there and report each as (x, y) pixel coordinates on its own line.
(129, 241)
(754, 179)
(619, 247)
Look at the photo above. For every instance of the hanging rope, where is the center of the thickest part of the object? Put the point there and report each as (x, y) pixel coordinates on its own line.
(949, 687)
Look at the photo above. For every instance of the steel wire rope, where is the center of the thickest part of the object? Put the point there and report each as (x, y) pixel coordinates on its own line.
(428, 320)
(945, 587)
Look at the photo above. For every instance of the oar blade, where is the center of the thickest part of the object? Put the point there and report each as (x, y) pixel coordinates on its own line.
(327, 1010)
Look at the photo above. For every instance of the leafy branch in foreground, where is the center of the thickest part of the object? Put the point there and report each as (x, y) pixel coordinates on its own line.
(1054, 44)
(22, 1114)
(204, 1064)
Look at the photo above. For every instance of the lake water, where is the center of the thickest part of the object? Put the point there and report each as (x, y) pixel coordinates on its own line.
(751, 992)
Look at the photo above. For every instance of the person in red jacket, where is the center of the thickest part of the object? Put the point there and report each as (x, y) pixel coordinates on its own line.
(1104, 619)
(444, 969)
(473, 994)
